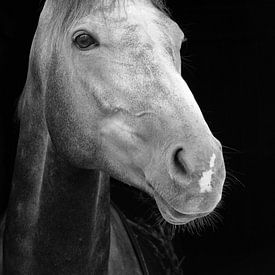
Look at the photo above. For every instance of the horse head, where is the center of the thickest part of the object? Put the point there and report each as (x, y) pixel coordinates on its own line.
(114, 100)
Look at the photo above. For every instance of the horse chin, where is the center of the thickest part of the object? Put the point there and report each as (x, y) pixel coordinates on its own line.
(172, 216)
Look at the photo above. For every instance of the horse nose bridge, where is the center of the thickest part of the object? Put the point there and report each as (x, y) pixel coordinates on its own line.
(180, 94)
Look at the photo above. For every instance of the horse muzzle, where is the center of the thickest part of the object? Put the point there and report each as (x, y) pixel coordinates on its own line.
(193, 186)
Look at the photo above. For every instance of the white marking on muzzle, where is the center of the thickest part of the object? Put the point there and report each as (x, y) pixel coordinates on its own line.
(205, 180)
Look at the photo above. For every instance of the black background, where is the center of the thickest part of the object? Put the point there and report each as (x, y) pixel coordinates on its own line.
(229, 66)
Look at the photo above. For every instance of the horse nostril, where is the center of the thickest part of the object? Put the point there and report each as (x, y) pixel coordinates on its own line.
(179, 162)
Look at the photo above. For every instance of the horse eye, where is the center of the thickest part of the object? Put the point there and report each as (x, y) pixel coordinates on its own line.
(85, 41)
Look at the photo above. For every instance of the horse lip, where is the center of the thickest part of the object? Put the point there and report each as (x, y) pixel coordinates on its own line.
(172, 215)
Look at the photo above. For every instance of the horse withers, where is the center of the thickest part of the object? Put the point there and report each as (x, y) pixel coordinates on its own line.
(104, 97)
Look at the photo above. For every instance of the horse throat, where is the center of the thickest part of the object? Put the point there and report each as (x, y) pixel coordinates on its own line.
(58, 219)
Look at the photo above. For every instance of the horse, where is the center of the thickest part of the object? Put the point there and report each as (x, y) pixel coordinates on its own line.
(104, 98)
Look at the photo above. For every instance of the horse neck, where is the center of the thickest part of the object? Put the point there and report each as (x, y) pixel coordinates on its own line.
(58, 215)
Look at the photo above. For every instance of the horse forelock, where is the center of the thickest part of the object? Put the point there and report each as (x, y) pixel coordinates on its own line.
(66, 12)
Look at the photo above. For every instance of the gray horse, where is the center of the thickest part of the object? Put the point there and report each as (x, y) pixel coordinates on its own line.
(104, 97)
